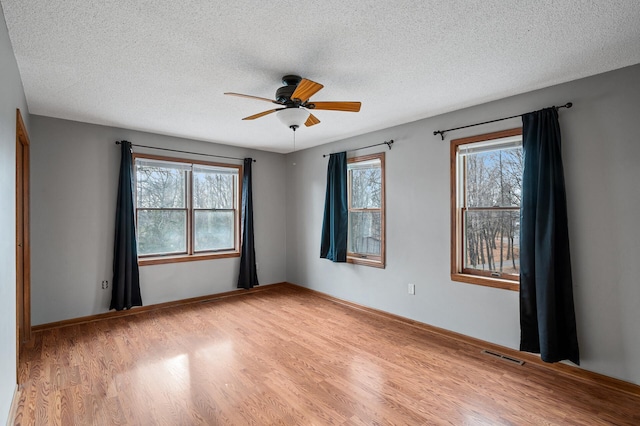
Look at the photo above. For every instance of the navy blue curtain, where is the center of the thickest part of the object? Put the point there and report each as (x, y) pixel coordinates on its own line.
(336, 220)
(248, 276)
(547, 316)
(125, 288)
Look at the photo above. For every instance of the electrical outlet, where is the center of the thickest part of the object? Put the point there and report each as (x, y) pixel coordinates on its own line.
(105, 284)
(411, 288)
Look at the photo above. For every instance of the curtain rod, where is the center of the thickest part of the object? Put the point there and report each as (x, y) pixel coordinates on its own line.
(387, 143)
(184, 152)
(442, 132)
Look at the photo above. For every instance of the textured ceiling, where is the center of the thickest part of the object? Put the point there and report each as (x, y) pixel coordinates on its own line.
(162, 66)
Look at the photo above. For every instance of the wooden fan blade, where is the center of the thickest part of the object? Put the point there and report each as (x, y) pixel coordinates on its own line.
(240, 95)
(261, 114)
(336, 106)
(312, 120)
(306, 89)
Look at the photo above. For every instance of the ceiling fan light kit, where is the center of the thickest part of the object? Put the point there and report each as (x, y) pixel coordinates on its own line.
(295, 105)
(293, 118)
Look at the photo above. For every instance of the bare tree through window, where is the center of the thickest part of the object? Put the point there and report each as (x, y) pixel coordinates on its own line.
(366, 209)
(184, 208)
(486, 180)
(491, 215)
(162, 209)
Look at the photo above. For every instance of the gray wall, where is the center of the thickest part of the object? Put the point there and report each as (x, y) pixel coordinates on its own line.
(11, 98)
(601, 152)
(74, 187)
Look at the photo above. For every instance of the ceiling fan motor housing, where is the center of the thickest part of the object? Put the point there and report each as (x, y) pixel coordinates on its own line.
(283, 94)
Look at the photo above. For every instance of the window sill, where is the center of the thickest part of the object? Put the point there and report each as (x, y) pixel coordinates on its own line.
(159, 260)
(365, 262)
(485, 281)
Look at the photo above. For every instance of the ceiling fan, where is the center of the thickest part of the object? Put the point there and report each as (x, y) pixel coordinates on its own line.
(295, 104)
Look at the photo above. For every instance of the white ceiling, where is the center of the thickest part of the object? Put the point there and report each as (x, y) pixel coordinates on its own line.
(162, 66)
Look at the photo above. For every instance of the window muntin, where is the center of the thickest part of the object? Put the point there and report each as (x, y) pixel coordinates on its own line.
(185, 210)
(487, 183)
(365, 182)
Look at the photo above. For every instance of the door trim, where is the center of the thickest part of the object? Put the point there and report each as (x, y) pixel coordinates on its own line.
(23, 245)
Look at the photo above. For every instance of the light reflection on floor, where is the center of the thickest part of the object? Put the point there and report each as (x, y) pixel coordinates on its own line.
(366, 378)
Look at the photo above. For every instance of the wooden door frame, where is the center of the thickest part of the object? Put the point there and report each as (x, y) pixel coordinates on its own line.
(23, 246)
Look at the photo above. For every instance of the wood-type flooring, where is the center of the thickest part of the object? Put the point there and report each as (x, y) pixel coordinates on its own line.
(285, 356)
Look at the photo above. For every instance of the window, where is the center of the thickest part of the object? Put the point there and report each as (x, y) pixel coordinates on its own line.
(486, 187)
(185, 210)
(365, 242)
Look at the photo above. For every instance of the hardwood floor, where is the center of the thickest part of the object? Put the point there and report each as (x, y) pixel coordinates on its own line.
(287, 356)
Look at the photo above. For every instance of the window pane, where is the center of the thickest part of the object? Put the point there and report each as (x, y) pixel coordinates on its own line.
(492, 241)
(494, 178)
(365, 232)
(160, 187)
(214, 230)
(212, 190)
(366, 187)
(162, 231)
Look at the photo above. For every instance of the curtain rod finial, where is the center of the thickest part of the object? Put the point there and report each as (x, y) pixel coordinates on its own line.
(567, 105)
